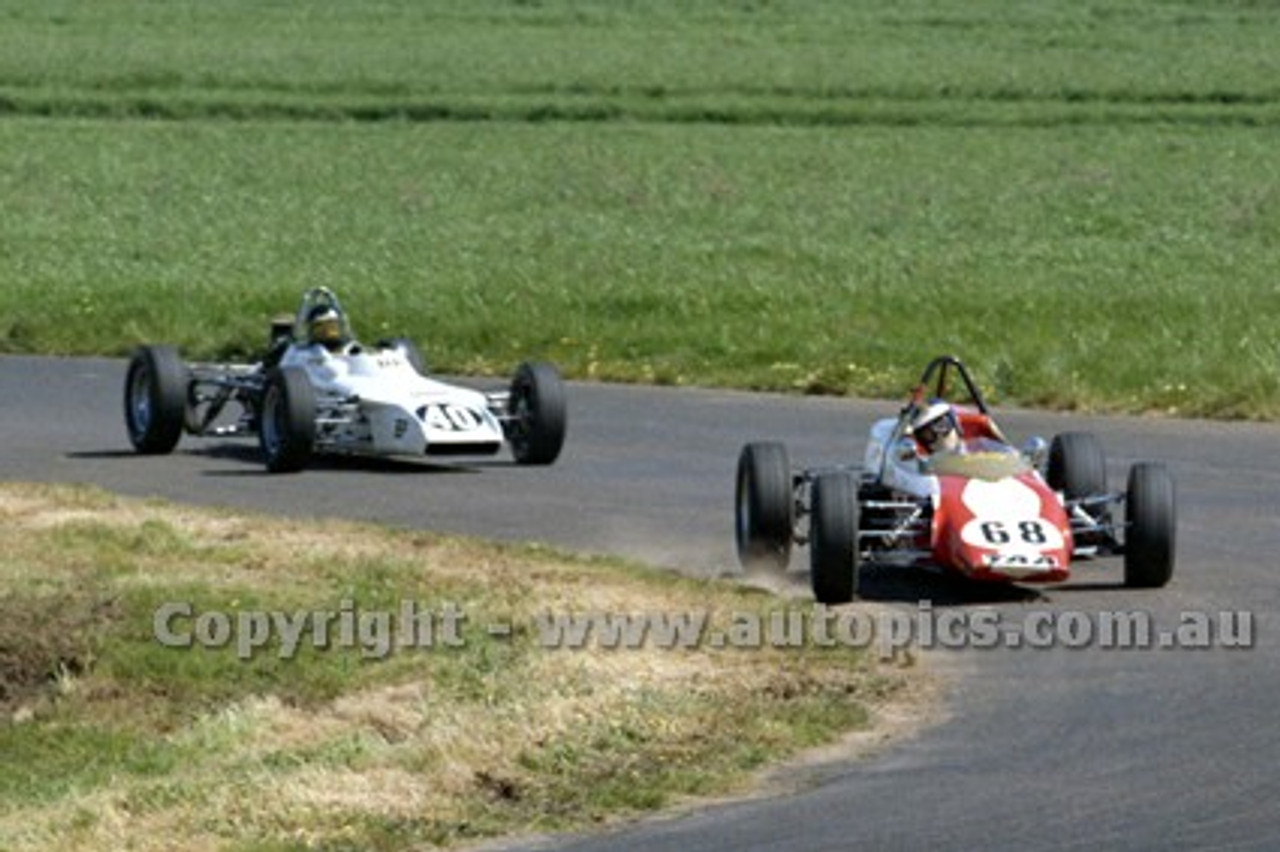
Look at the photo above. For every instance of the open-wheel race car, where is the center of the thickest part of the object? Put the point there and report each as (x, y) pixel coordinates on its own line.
(318, 390)
(941, 487)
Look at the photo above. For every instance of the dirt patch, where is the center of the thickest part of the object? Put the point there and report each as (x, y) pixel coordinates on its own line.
(44, 641)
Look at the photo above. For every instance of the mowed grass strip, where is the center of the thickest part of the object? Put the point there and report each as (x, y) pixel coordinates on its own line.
(493, 57)
(114, 740)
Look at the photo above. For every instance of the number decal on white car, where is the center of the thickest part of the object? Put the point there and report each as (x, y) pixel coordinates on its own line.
(451, 418)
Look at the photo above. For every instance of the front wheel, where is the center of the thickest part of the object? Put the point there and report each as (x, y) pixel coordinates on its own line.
(538, 414)
(764, 507)
(833, 539)
(155, 399)
(1151, 516)
(287, 430)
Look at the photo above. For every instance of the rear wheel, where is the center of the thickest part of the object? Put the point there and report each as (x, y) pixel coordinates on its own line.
(539, 414)
(155, 399)
(287, 430)
(1077, 466)
(833, 539)
(764, 507)
(1151, 516)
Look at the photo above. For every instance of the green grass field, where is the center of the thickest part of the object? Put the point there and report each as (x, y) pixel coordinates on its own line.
(1081, 202)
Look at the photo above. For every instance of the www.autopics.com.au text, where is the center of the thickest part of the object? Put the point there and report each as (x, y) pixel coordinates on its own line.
(377, 633)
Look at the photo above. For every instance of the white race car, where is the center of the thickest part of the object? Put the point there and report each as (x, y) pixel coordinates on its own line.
(319, 391)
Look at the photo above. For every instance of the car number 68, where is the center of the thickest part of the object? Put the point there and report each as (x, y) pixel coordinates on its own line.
(1034, 533)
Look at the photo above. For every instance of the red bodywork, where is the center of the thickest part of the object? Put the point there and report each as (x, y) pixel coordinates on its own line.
(1002, 528)
(994, 517)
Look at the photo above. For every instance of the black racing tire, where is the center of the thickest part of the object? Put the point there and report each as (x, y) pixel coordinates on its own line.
(287, 421)
(409, 350)
(833, 539)
(155, 399)
(1077, 465)
(1150, 526)
(539, 416)
(764, 507)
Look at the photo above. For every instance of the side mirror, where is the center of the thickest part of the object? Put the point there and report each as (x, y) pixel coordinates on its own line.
(1036, 451)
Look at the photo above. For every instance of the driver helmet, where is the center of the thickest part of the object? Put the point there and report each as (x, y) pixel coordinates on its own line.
(325, 327)
(936, 427)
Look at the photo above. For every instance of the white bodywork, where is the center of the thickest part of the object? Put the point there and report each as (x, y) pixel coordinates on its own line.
(374, 401)
(892, 460)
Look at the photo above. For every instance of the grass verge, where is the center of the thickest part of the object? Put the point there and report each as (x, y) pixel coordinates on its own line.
(1104, 269)
(114, 739)
(1080, 200)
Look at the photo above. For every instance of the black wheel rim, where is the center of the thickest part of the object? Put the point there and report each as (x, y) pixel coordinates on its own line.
(140, 399)
(743, 525)
(271, 427)
(525, 417)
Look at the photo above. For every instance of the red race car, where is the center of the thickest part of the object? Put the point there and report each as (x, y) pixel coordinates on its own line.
(940, 486)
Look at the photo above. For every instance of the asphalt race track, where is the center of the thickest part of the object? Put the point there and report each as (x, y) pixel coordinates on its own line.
(1043, 749)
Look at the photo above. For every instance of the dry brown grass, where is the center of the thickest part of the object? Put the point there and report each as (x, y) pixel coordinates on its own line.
(436, 747)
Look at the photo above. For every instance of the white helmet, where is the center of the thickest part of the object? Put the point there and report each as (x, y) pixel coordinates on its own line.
(932, 425)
